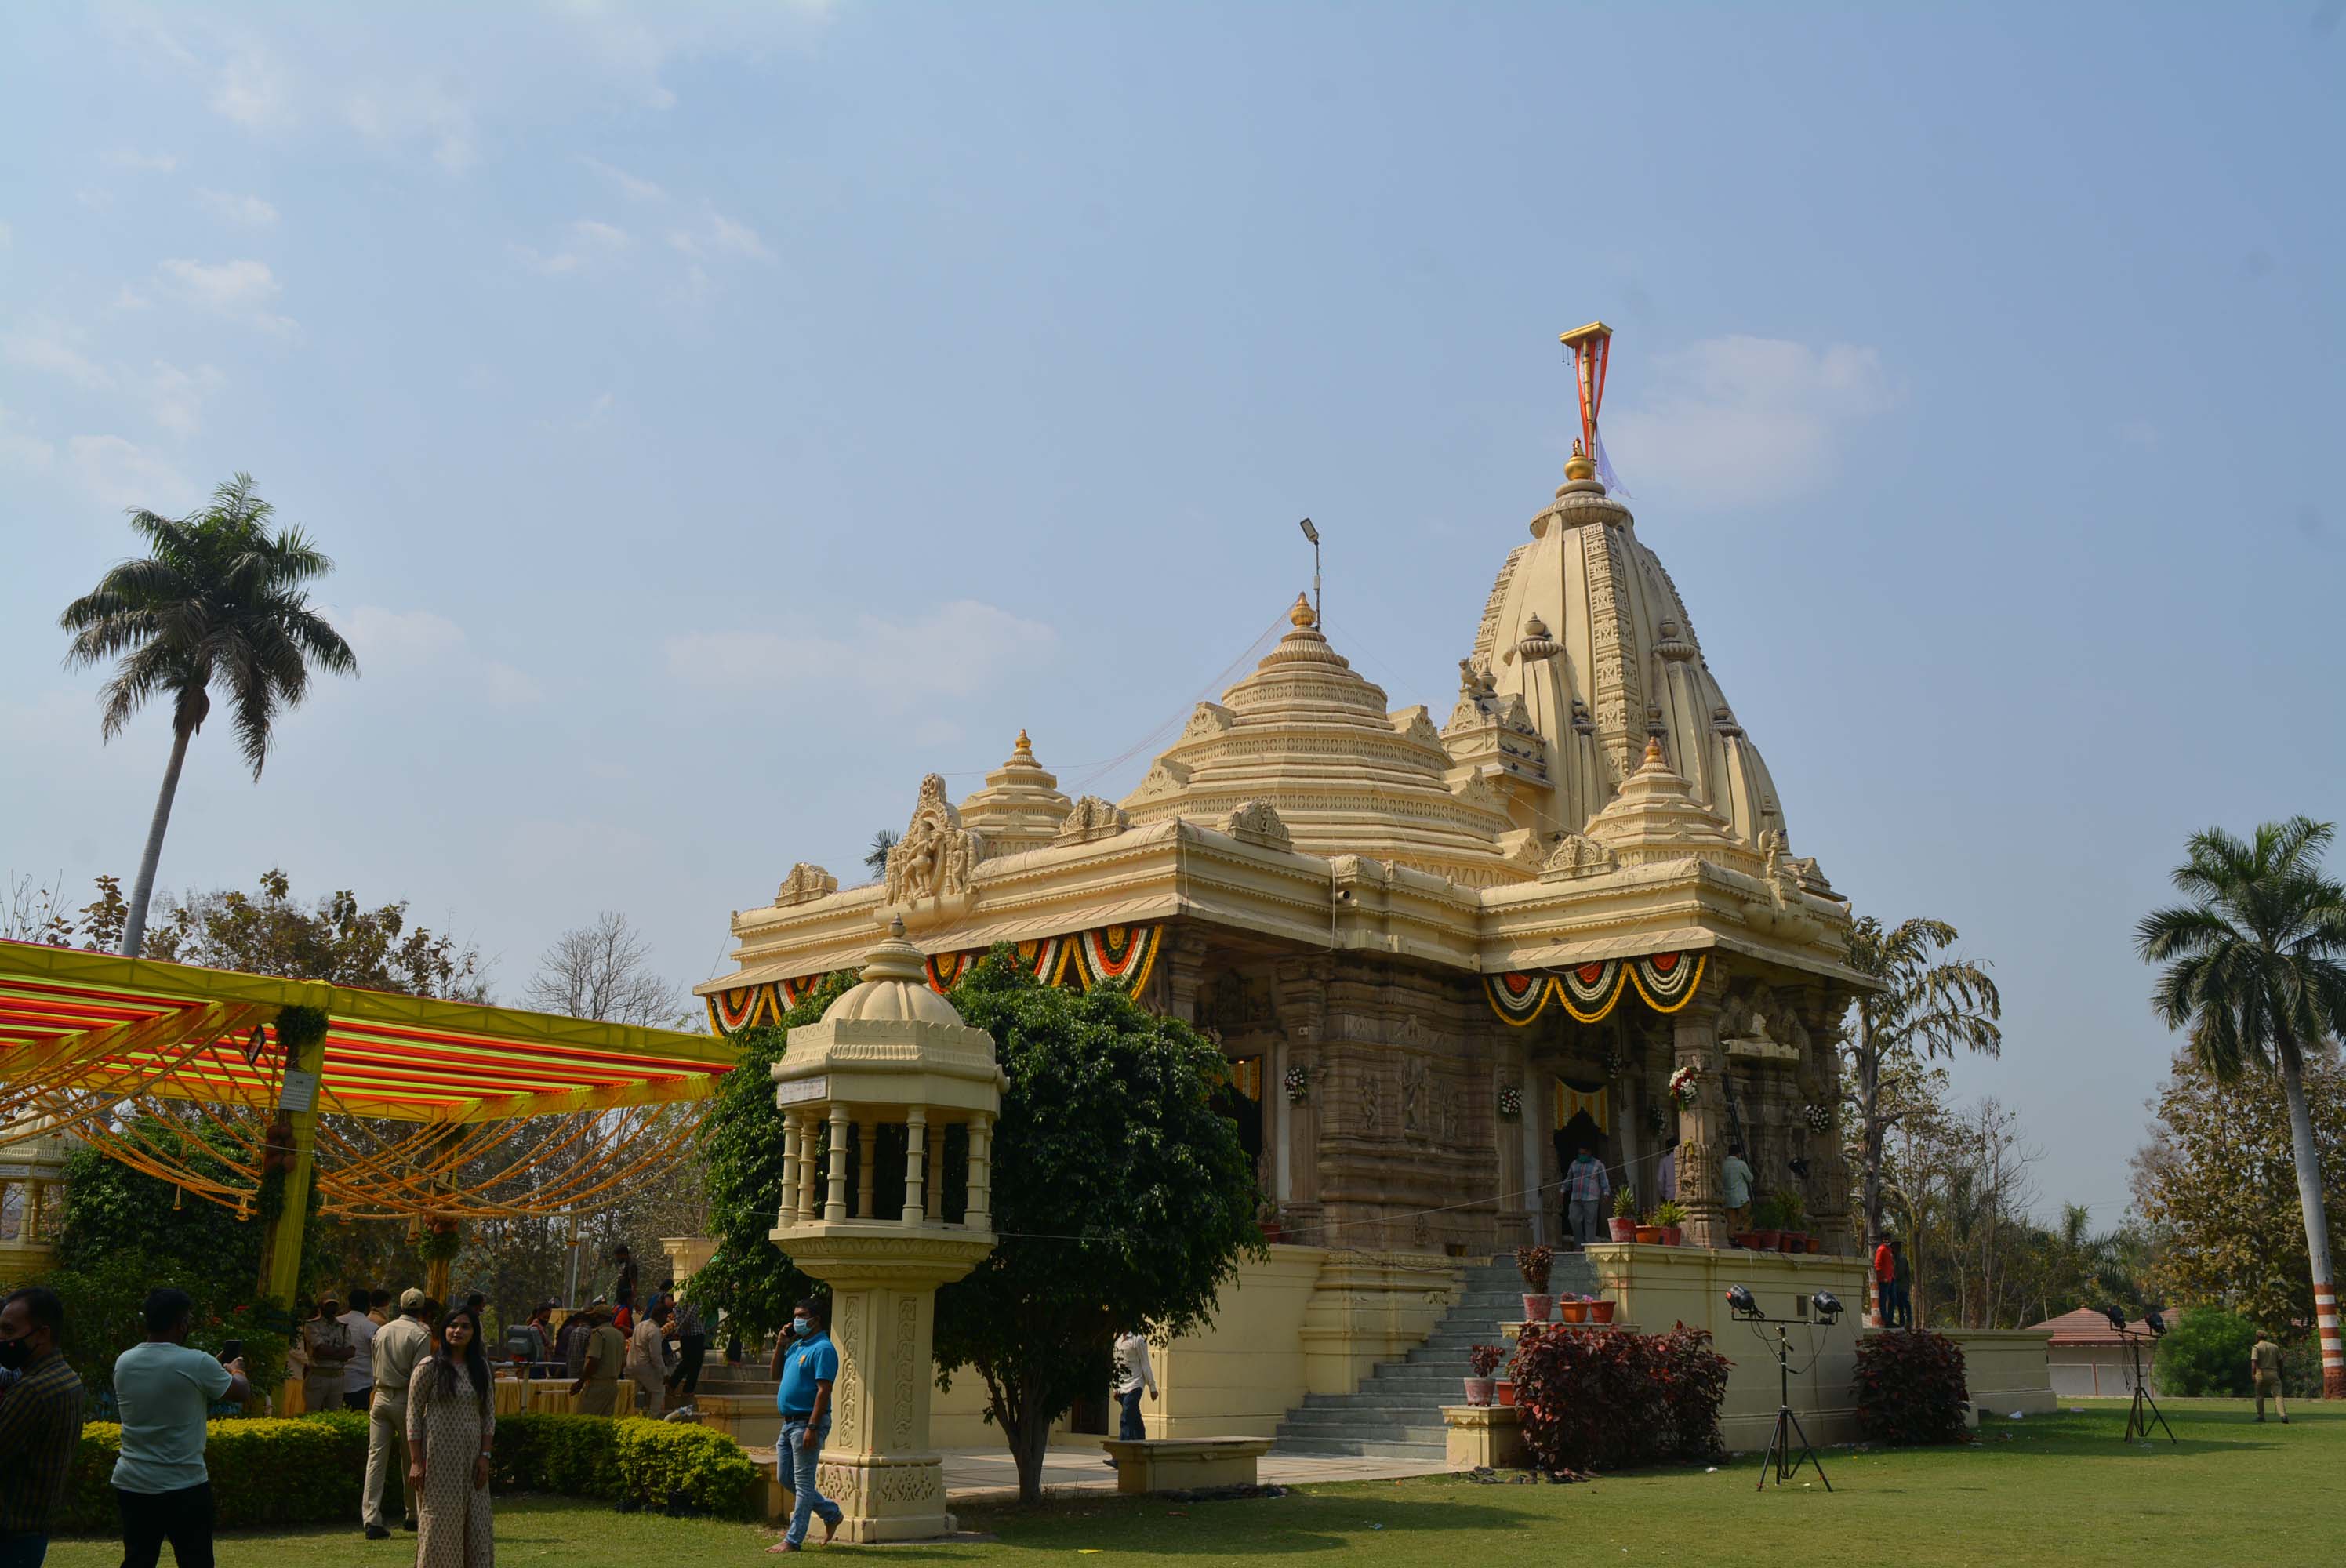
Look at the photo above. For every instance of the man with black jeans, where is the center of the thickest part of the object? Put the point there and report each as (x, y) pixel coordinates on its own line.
(164, 1391)
(691, 1345)
(40, 1424)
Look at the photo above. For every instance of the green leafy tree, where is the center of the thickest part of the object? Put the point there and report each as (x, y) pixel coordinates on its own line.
(1122, 1197)
(217, 600)
(1929, 1006)
(337, 940)
(2217, 1184)
(2255, 969)
(2206, 1352)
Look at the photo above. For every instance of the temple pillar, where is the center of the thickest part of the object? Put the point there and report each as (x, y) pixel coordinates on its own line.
(1184, 963)
(1702, 1126)
(1821, 1007)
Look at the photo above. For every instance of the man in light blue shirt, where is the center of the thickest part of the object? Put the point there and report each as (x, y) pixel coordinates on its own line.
(164, 1391)
(807, 1362)
(1735, 1189)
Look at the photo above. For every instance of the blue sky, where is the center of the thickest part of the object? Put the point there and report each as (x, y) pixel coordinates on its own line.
(720, 417)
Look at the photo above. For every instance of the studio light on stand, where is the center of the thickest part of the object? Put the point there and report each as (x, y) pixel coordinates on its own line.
(1779, 1455)
(2144, 1410)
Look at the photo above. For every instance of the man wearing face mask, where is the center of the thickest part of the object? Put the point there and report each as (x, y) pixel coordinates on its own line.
(40, 1424)
(807, 1362)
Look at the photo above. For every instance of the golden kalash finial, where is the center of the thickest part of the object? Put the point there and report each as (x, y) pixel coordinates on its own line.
(1579, 465)
(1024, 748)
(1653, 749)
(1303, 614)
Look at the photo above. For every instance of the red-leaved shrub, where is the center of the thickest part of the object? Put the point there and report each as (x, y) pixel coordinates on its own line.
(1612, 1402)
(1909, 1387)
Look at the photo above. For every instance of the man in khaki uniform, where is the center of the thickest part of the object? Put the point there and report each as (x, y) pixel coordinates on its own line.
(648, 1361)
(2264, 1365)
(399, 1346)
(598, 1388)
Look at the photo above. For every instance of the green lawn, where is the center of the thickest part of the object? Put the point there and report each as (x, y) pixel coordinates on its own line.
(2049, 1489)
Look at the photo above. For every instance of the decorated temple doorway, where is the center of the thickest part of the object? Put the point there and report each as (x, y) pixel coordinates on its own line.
(1240, 1099)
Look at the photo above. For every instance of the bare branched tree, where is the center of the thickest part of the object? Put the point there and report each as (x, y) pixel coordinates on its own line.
(602, 971)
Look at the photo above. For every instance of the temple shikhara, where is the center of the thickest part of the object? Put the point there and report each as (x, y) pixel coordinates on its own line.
(1440, 951)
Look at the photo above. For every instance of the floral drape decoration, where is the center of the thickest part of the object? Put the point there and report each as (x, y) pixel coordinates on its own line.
(1589, 991)
(1126, 954)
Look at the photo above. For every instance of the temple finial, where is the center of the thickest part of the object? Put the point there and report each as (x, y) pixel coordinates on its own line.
(1303, 614)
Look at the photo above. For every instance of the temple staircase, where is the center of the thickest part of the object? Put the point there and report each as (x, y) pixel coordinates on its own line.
(1397, 1413)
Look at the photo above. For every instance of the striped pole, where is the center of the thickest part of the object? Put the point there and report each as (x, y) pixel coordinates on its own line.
(2333, 1353)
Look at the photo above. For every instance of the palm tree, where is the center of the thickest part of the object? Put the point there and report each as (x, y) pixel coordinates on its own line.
(875, 859)
(1927, 1007)
(215, 601)
(2256, 969)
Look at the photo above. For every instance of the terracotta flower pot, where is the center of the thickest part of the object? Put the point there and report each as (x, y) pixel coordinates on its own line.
(1573, 1311)
(1792, 1241)
(1505, 1390)
(1537, 1308)
(1600, 1311)
(1478, 1391)
(1674, 1236)
(1650, 1233)
(1816, 1244)
(1765, 1240)
(1623, 1229)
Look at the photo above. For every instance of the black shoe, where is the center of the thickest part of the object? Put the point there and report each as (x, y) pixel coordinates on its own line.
(377, 1533)
(406, 1524)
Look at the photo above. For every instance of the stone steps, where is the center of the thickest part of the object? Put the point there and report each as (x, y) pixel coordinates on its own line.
(1397, 1412)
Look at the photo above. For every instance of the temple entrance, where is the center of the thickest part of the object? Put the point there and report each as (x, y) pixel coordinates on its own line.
(1240, 1099)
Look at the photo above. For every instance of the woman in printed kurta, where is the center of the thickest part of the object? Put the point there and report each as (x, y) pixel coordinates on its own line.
(450, 1420)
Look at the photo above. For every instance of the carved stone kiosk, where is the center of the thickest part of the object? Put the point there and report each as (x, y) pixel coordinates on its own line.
(889, 1062)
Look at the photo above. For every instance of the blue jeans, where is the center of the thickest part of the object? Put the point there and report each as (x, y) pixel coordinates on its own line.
(805, 1498)
(1130, 1427)
(29, 1551)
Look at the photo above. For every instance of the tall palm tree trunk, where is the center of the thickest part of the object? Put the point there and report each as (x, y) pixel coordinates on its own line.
(134, 928)
(2316, 1222)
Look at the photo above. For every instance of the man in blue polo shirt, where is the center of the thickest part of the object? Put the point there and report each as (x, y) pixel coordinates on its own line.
(164, 1389)
(807, 1362)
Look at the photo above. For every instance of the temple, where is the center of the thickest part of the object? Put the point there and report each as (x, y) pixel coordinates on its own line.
(1438, 953)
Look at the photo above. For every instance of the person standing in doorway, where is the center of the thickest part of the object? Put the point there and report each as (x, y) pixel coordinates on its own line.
(326, 1341)
(397, 1351)
(164, 1391)
(1735, 1189)
(40, 1424)
(2264, 1366)
(451, 1428)
(358, 1372)
(1587, 1188)
(1133, 1377)
(807, 1363)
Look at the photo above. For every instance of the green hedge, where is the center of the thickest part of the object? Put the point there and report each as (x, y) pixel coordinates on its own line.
(311, 1469)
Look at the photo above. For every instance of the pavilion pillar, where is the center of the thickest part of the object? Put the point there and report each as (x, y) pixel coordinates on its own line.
(980, 1213)
(810, 1189)
(281, 1246)
(867, 1140)
(916, 1127)
(834, 1197)
(790, 1206)
(1702, 1126)
(936, 1168)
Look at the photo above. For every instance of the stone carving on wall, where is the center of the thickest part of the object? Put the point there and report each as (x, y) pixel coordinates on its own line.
(1414, 1096)
(847, 1396)
(1786, 912)
(805, 884)
(1092, 818)
(1257, 823)
(1209, 719)
(1575, 857)
(1164, 776)
(1414, 723)
(900, 1358)
(929, 868)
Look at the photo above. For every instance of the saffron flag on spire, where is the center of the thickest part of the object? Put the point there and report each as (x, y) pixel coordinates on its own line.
(1592, 353)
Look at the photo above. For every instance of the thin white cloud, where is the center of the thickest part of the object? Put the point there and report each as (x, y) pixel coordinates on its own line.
(1741, 419)
(240, 289)
(120, 473)
(633, 186)
(248, 210)
(21, 451)
(178, 396)
(596, 412)
(552, 266)
(46, 344)
(420, 108)
(893, 666)
(251, 90)
(141, 162)
(130, 298)
(610, 237)
(399, 644)
(736, 239)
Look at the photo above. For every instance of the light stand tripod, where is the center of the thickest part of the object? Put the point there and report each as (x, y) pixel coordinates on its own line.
(1788, 1425)
(2145, 1408)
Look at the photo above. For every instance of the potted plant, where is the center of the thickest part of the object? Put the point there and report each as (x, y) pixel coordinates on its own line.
(1767, 1226)
(1536, 1264)
(1482, 1360)
(1600, 1310)
(1623, 1223)
(1791, 1215)
(1670, 1215)
(1573, 1308)
(1649, 1230)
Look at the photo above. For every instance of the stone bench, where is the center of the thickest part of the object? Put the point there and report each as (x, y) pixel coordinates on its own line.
(1185, 1465)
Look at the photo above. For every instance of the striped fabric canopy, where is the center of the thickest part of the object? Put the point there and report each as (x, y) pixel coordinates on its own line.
(97, 1022)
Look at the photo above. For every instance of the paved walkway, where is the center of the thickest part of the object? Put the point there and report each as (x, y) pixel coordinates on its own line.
(984, 1472)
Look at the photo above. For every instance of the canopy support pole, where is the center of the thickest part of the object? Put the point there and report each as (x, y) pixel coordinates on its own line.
(281, 1249)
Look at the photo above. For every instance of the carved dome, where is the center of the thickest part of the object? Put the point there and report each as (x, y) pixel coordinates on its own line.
(1307, 736)
(1624, 667)
(895, 988)
(1020, 806)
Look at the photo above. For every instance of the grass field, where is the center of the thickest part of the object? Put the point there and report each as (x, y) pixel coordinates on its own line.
(2051, 1489)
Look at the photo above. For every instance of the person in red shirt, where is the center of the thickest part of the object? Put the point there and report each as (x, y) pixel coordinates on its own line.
(1888, 1293)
